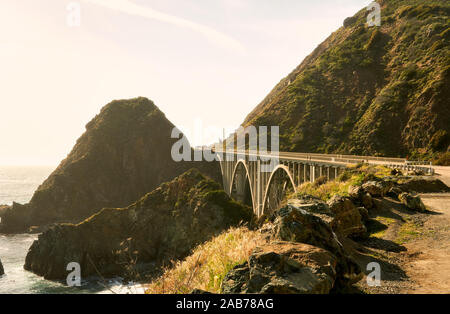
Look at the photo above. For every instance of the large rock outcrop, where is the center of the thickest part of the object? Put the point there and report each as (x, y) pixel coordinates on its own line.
(2, 271)
(295, 224)
(304, 256)
(348, 220)
(412, 202)
(422, 185)
(124, 154)
(284, 267)
(163, 226)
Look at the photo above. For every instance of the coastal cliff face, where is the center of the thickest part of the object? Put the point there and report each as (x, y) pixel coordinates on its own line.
(370, 90)
(162, 226)
(124, 154)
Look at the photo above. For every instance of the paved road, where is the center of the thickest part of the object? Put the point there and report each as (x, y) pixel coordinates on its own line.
(341, 160)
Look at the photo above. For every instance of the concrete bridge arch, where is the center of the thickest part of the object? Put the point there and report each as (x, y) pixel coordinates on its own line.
(244, 178)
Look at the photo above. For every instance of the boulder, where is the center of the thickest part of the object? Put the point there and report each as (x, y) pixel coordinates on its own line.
(314, 206)
(162, 226)
(297, 225)
(124, 154)
(3, 209)
(355, 192)
(364, 213)
(282, 268)
(347, 220)
(394, 192)
(374, 188)
(386, 185)
(412, 202)
(2, 271)
(367, 201)
(396, 172)
(423, 185)
(311, 204)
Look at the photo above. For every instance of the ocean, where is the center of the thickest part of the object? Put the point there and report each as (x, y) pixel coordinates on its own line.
(18, 184)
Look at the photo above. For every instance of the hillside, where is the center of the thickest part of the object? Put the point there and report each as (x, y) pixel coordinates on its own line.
(124, 154)
(370, 90)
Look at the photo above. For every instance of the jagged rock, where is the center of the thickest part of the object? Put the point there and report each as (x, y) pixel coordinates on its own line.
(347, 220)
(314, 204)
(2, 271)
(284, 267)
(162, 226)
(387, 185)
(3, 208)
(355, 192)
(415, 173)
(200, 291)
(297, 225)
(339, 204)
(412, 202)
(124, 154)
(423, 185)
(367, 201)
(396, 172)
(364, 213)
(394, 192)
(374, 188)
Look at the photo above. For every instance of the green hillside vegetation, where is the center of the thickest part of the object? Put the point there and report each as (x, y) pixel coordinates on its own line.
(370, 90)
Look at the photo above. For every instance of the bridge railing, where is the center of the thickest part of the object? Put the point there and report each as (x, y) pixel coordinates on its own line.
(339, 159)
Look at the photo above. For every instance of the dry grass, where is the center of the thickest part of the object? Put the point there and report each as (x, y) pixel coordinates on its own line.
(408, 231)
(206, 267)
(356, 174)
(324, 191)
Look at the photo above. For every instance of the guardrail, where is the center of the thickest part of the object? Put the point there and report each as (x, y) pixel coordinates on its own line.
(390, 162)
(412, 167)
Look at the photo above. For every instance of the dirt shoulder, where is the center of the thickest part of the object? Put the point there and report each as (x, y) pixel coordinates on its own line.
(443, 174)
(429, 268)
(413, 249)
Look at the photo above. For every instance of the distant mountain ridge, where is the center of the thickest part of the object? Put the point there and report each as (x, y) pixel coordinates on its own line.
(370, 90)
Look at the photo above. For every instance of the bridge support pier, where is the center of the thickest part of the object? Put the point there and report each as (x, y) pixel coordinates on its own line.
(244, 180)
(306, 172)
(301, 173)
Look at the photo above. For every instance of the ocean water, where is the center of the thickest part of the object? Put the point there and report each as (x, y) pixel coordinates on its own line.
(18, 184)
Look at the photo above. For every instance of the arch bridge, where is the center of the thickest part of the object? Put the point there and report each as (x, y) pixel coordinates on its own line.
(262, 180)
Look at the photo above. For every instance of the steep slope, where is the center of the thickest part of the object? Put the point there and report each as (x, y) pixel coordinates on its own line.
(124, 153)
(162, 226)
(370, 90)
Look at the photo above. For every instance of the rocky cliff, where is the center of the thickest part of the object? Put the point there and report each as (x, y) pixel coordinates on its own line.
(2, 271)
(370, 90)
(124, 154)
(162, 226)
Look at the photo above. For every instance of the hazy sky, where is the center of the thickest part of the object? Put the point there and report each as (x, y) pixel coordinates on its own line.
(213, 60)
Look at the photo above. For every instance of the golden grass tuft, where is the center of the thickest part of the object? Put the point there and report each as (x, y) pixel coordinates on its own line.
(356, 174)
(206, 267)
(324, 191)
